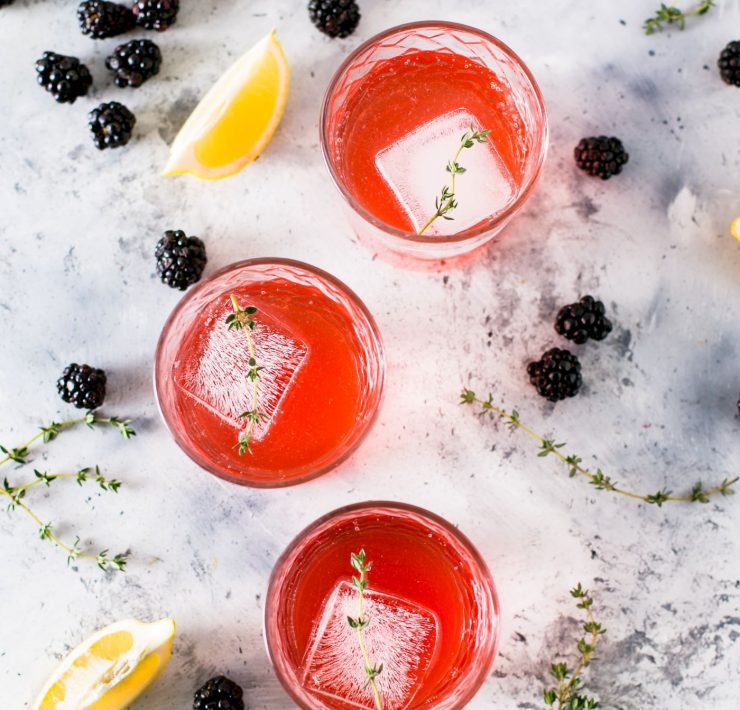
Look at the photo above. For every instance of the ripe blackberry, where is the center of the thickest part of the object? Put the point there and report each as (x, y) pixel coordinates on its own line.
(134, 62)
(101, 19)
(336, 18)
(219, 693)
(556, 375)
(583, 320)
(111, 125)
(601, 156)
(729, 63)
(63, 77)
(156, 14)
(180, 259)
(82, 385)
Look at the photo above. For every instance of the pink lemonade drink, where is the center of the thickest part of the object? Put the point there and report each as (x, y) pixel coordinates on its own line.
(429, 612)
(318, 370)
(392, 122)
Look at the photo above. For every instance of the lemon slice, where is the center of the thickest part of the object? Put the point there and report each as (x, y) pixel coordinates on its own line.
(735, 228)
(236, 119)
(111, 669)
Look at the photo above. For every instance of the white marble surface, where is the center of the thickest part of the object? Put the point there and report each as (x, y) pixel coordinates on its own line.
(77, 230)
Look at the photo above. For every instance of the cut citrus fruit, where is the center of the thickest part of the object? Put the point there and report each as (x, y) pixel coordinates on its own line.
(236, 119)
(735, 228)
(110, 669)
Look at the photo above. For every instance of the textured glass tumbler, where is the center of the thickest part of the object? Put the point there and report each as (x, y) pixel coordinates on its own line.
(514, 82)
(424, 571)
(320, 382)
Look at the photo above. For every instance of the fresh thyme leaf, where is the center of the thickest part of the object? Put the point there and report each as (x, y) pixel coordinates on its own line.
(359, 563)
(241, 319)
(446, 201)
(670, 14)
(699, 493)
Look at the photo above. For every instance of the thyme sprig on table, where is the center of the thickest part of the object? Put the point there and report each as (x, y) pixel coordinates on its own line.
(447, 201)
(699, 493)
(670, 14)
(567, 694)
(242, 319)
(16, 494)
(360, 622)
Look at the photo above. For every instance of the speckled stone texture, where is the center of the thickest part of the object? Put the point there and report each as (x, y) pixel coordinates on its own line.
(77, 283)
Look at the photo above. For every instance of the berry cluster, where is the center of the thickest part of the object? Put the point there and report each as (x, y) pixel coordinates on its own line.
(219, 693)
(132, 63)
(557, 374)
(101, 19)
(335, 18)
(180, 259)
(601, 156)
(583, 320)
(82, 385)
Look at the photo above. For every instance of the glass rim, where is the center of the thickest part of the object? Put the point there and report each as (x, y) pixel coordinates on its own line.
(473, 232)
(202, 285)
(482, 663)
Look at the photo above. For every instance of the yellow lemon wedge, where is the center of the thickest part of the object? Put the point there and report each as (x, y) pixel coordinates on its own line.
(110, 669)
(735, 228)
(236, 119)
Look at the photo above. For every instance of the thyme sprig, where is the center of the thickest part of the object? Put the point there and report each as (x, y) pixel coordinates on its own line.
(242, 319)
(360, 622)
(16, 494)
(447, 201)
(698, 494)
(567, 694)
(670, 14)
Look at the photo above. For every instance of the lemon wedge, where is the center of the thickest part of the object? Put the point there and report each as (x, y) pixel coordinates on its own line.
(236, 119)
(735, 228)
(110, 669)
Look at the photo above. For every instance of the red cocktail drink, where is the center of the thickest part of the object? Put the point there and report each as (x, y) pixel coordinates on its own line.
(393, 119)
(318, 365)
(430, 606)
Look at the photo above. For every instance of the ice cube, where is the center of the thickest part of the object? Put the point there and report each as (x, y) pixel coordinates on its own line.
(414, 168)
(215, 375)
(401, 635)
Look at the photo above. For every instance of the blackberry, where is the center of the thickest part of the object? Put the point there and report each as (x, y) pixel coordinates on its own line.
(101, 19)
(111, 125)
(219, 693)
(180, 259)
(134, 62)
(601, 156)
(65, 78)
(556, 375)
(156, 14)
(82, 385)
(336, 18)
(729, 63)
(583, 320)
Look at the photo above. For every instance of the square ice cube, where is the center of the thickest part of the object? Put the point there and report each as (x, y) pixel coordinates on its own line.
(401, 635)
(215, 376)
(414, 168)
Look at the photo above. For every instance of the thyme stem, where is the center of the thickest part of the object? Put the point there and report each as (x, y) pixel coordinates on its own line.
(567, 694)
(670, 14)
(446, 201)
(16, 494)
(241, 319)
(358, 561)
(698, 494)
